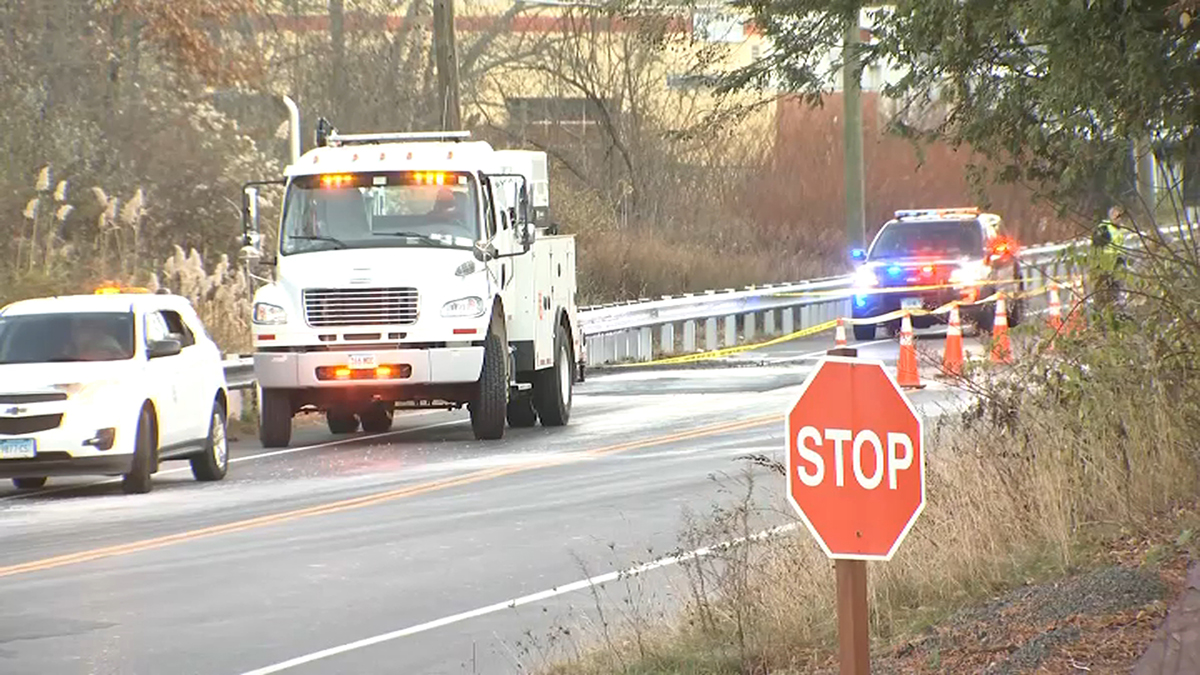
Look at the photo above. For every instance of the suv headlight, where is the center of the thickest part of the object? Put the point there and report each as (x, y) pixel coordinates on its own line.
(864, 277)
(88, 392)
(968, 273)
(266, 314)
(464, 308)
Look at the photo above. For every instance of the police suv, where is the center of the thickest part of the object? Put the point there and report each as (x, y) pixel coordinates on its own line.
(925, 258)
(109, 384)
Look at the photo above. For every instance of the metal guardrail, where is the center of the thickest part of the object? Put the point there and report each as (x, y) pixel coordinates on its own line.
(239, 372)
(626, 331)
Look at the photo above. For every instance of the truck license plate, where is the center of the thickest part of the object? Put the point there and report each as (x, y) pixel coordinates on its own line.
(910, 303)
(18, 448)
(362, 360)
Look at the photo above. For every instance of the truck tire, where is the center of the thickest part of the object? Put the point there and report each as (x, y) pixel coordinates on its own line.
(489, 406)
(863, 332)
(553, 387)
(341, 421)
(521, 412)
(377, 419)
(137, 481)
(213, 463)
(275, 418)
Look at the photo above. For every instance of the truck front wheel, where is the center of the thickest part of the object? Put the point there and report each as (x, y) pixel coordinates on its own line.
(554, 387)
(490, 403)
(275, 418)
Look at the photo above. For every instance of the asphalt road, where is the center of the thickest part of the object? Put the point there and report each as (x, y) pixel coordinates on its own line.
(406, 538)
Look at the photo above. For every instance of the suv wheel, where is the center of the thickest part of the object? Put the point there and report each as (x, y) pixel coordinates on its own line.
(137, 481)
(213, 463)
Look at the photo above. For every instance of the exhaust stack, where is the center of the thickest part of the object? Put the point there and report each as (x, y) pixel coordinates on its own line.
(293, 128)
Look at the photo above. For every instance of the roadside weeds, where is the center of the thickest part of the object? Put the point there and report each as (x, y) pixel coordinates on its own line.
(1079, 466)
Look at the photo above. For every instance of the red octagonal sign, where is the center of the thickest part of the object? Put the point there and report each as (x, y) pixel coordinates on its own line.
(855, 461)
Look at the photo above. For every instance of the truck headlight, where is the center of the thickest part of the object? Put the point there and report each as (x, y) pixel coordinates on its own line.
(864, 277)
(266, 314)
(464, 308)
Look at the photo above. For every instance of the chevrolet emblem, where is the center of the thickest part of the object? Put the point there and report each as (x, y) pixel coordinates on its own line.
(15, 410)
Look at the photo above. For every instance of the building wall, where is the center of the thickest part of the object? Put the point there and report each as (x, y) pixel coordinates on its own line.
(807, 173)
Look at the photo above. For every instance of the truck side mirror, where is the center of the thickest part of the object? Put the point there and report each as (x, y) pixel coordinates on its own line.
(249, 210)
(528, 234)
(483, 251)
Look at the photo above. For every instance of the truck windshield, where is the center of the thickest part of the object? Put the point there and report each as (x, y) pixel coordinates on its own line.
(370, 210)
(944, 239)
(51, 338)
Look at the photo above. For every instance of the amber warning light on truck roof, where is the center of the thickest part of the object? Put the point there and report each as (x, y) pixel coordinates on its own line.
(347, 180)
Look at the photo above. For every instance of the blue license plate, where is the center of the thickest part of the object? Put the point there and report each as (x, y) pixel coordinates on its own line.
(18, 448)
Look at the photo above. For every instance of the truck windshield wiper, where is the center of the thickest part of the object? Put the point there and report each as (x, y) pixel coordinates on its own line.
(318, 237)
(415, 235)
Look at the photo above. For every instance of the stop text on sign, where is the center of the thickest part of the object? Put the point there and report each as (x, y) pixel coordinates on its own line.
(869, 457)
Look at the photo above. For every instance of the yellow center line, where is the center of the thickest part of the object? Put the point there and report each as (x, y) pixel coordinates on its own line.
(368, 500)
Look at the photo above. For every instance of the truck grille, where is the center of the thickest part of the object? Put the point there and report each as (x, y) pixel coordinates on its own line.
(360, 306)
(12, 426)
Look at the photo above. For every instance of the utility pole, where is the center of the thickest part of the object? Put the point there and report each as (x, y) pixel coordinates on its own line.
(852, 141)
(446, 59)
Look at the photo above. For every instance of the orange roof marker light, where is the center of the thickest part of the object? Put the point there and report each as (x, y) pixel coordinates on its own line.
(118, 290)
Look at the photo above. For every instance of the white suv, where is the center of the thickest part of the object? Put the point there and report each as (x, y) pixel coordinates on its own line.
(109, 384)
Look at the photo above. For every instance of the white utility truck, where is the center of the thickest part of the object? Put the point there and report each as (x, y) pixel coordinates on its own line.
(413, 270)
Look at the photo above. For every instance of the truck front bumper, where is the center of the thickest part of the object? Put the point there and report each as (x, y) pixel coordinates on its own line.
(298, 370)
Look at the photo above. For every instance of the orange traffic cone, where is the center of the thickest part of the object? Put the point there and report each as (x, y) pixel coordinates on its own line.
(953, 359)
(840, 336)
(1001, 349)
(1075, 318)
(1055, 319)
(907, 375)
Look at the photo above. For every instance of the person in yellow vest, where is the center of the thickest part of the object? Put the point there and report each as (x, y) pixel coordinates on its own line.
(1106, 261)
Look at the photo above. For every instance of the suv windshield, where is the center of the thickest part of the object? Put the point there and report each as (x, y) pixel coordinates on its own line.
(948, 239)
(49, 338)
(368, 210)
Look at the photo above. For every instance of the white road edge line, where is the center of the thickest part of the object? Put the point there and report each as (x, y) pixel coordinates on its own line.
(232, 460)
(523, 600)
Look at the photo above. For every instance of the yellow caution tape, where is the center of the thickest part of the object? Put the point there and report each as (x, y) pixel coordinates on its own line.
(726, 351)
(884, 290)
(829, 325)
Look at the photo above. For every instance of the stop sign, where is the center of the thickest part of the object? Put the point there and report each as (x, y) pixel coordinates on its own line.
(855, 462)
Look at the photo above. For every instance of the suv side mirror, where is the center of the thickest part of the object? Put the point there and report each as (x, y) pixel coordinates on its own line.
(165, 347)
(858, 255)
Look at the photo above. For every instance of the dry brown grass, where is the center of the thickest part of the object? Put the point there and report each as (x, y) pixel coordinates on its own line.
(1061, 457)
(221, 297)
(55, 251)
